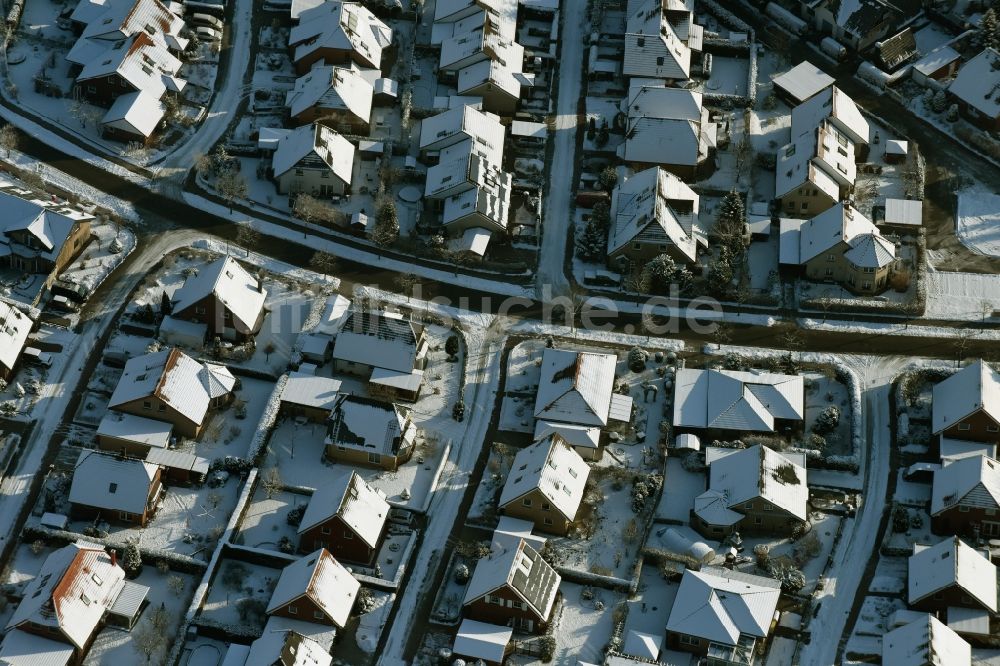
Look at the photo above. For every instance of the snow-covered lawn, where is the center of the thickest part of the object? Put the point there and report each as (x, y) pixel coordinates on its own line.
(962, 296)
(226, 435)
(25, 564)
(977, 221)
(762, 256)
(809, 553)
(264, 524)
(729, 75)
(823, 392)
(484, 503)
(235, 581)
(930, 37)
(100, 257)
(679, 490)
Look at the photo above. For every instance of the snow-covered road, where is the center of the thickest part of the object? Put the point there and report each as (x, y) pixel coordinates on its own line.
(558, 222)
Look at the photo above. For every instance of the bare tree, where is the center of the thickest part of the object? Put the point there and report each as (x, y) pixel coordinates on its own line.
(231, 185)
(247, 236)
(148, 641)
(743, 151)
(9, 138)
(271, 482)
(962, 342)
(311, 209)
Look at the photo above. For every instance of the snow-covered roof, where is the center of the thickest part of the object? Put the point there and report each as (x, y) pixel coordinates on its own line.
(505, 75)
(731, 400)
(712, 506)
(588, 437)
(642, 644)
(314, 146)
(332, 88)
(553, 468)
(480, 640)
(925, 642)
(74, 588)
(477, 45)
(175, 459)
(719, 605)
(138, 112)
(953, 449)
(973, 389)
(344, 26)
(803, 81)
(111, 20)
(760, 472)
(969, 621)
(175, 378)
(334, 315)
(112, 483)
(521, 569)
(48, 228)
(379, 339)
(310, 390)
(843, 223)
(510, 530)
(575, 387)
(973, 481)
(287, 648)
(359, 505)
(666, 125)
(937, 59)
(239, 291)
(977, 83)
(323, 580)
(657, 206)
(21, 648)
(904, 211)
(15, 326)
(835, 105)
(145, 64)
(138, 429)
(399, 380)
(370, 425)
(952, 563)
(798, 163)
(658, 43)
(464, 122)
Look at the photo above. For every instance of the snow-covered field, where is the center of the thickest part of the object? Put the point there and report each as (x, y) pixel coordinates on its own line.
(977, 222)
(962, 296)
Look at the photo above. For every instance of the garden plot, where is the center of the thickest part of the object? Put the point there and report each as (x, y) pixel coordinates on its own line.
(918, 530)
(872, 623)
(225, 433)
(484, 503)
(763, 260)
(264, 524)
(890, 575)
(963, 296)
(809, 553)
(23, 391)
(91, 410)
(680, 488)
(977, 221)
(168, 597)
(203, 651)
(912, 493)
(371, 624)
(729, 76)
(110, 246)
(524, 364)
(239, 595)
(25, 564)
(825, 395)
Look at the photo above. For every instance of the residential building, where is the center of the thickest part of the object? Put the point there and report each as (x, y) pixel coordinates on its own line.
(667, 127)
(171, 386)
(756, 490)
(134, 64)
(800, 83)
(450, 16)
(652, 213)
(315, 160)
(951, 574)
(965, 497)
(317, 589)
(114, 489)
(386, 348)
(223, 296)
(925, 642)
(458, 125)
(966, 405)
(545, 485)
(19, 648)
(338, 97)
(78, 589)
(134, 116)
(37, 239)
(839, 245)
(363, 431)
(310, 395)
(478, 642)
(346, 516)
(815, 171)
(723, 615)
(15, 326)
(858, 25)
(338, 33)
(577, 388)
(834, 106)
(726, 400)
(513, 587)
(103, 22)
(285, 648)
(131, 435)
(976, 89)
(940, 64)
(662, 41)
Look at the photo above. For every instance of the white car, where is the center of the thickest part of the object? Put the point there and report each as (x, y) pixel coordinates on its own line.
(206, 20)
(207, 34)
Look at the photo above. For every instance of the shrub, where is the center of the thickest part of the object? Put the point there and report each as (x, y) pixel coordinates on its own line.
(827, 421)
(637, 358)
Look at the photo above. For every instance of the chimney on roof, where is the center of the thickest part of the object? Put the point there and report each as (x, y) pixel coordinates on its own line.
(114, 557)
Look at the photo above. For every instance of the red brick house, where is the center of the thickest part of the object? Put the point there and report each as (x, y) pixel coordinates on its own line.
(225, 297)
(119, 490)
(315, 589)
(347, 517)
(965, 497)
(513, 587)
(951, 574)
(967, 404)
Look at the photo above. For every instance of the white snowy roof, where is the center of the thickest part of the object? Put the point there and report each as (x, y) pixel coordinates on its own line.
(110, 20)
(521, 569)
(642, 644)
(719, 605)
(14, 329)
(969, 621)
(379, 339)
(904, 211)
(287, 648)
(398, 379)
(731, 400)
(464, 122)
(334, 315)
(310, 390)
(712, 506)
(332, 88)
(480, 640)
(505, 75)
(658, 45)
(588, 437)
(575, 387)
(108, 482)
(132, 428)
(925, 642)
(323, 580)
(760, 472)
(666, 125)
(798, 163)
(977, 83)
(314, 146)
(138, 112)
(175, 459)
(23, 649)
(74, 588)
(344, 26)
(49, 228)
(803, 81)
(830, 104)
(843, 223)
(347, 495)
(936, 59)
(655, 205)
(234, 286)
(147, 65)
(963, 448)
(952, 563)
(553, 468)
(369, 425)
(972, 481)
(175, 378)
(510, 530)
(975, 388)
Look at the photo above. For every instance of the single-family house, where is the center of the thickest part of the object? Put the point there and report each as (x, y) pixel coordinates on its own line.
(652, 213)
(577, 388)
(338, 97)
(815, 171)
(514, 587)
(951, 574)
(131, 435)
(15, 326)
(134, 116)
(965, 497)
(109, 21)
(459, 124)
(316, 588)
(310, 395)
(976, 89)
(545, 485)
(133, 64)
(171, 386)
(364, 431)
(723, 615)
(19, 648)
(966, 405)
(386, 348)
(859, 24)
(115, 489)
(346, 516)
(36, 239)
(667, 127)
(224, 296)
(338, 33)
(480, 642)
(800, 83)
(836, 107)
(469, 190)
(315, 160)
(662, 41)
(755, 490)
(285, 648)
(728, 400)
(925, 641)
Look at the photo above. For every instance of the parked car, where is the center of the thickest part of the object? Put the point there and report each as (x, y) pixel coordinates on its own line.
(205, 20)
(37, 356)
(207, 34)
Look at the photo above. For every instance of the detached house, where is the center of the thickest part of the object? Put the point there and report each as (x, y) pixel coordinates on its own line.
(752, 490)
(652, 213)
(858, 24)
(338, 33)
(386, 348)
(171, 386)
(314, 160)
(545, 485)
(966, 406)
(801, 82)
(815, 171)
(458, 125)
(950, 575)
(965, 497)
(726, 400)
(925, 642)
(839, 245)
(36, 239)
(485, 62)
(667, 127)
(723, 615)
(315, 589)
(369, 432)
(284, 648)
(338, 97)
(662, 41)
(833, 105)
(514, 587)
(347, 517)
(976, 89)
(119, 490)
(15, 326)
(224, 297)
(133, 64)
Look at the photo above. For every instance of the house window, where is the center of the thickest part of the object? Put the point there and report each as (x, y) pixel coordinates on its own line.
(659, 61)
(494, 599)
(161, 407)
(199, 309)
(688, 640)
(92, 89)
(963, 509)
(318, 615)
(325, 174)
(125, 515)
(300, 172)
(324, 530)
(748, 506)
(805, 205)
(112, 488)
(526, 501)
(548, 521)
(293, 610)
(572, 472)
(992, 428)
(831, 257)
(636, 246)
(146, 404)
(991, 512)
(348, 535)
(829, 272)
(965, 426)
(545, 506)
(374, 458)
(758, 520)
